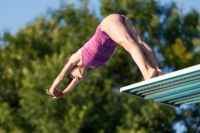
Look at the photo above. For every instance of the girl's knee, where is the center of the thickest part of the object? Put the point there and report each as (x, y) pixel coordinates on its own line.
(130, 45)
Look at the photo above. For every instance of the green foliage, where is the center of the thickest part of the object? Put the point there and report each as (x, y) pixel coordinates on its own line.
(181, 35)
(31, 59)
(175, 55)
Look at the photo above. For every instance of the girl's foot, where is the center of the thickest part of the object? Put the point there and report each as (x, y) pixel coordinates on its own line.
(159, 72)
(150, 73)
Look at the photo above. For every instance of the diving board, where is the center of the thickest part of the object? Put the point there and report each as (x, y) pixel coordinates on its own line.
(176, 88)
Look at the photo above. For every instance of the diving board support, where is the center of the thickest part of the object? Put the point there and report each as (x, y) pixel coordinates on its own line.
(176, 88)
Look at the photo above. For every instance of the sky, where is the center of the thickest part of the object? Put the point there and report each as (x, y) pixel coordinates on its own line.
(16, 14)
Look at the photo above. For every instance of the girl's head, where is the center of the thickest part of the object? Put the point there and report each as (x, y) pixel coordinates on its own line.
(77, 72)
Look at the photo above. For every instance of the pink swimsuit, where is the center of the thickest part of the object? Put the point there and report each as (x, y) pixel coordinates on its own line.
(98, 50)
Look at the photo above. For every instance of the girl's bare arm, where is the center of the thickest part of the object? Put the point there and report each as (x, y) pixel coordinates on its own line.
(75, 82)
(70, 87)
(74, 59)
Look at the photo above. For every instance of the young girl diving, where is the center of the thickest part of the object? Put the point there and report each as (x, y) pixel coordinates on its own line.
(114, 29)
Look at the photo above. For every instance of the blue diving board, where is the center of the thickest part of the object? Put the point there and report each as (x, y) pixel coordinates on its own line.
(176, 88)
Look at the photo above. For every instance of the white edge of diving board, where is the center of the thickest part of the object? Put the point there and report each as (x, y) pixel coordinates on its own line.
(163, 77)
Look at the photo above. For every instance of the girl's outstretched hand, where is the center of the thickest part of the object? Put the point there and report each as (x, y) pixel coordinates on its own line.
(57, 93)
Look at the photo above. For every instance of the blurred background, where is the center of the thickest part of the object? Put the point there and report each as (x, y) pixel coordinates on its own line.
(37, 36)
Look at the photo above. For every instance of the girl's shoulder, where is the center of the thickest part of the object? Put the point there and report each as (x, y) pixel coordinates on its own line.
(76, 58)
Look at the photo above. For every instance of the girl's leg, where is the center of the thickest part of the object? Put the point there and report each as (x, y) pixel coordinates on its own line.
(148, 51)
(115, 28)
